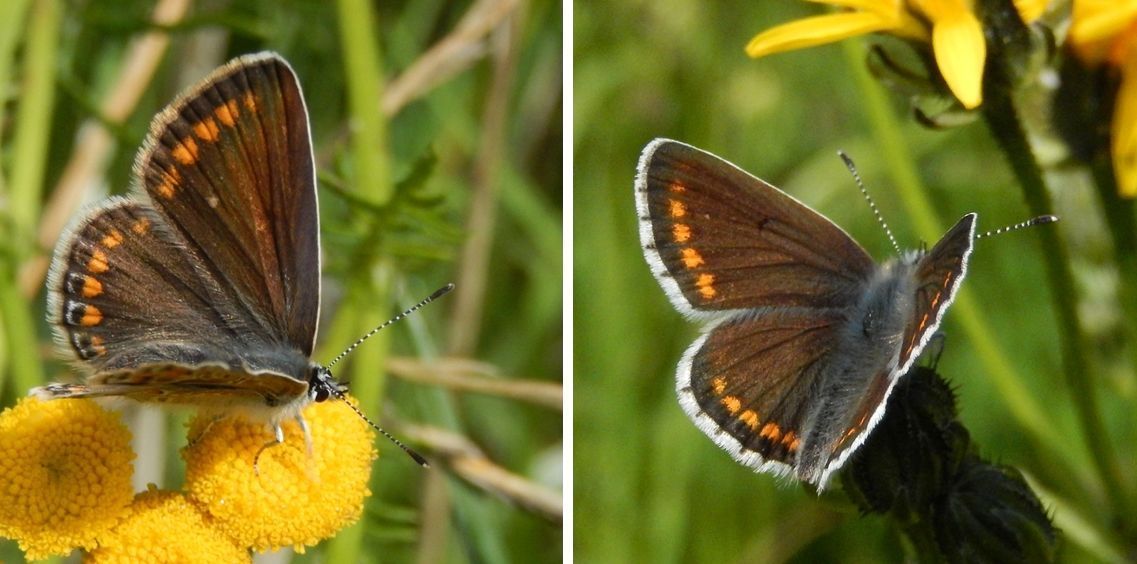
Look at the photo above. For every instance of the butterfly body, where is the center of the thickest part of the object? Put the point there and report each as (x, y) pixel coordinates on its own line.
(805, 334)
(202, 287)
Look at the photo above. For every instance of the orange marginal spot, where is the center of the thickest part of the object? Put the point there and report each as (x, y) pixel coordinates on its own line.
(731, 403)
(676, 208)
(140, 226)
(98, 262)
(170, 179)
(185, 151)
(251, 102)
(771, 431)
(794, 444)
(676, 186)
(789, 439)
(691, 258)
(706, 285)
(91, 316)
(207, 130)
(97, 345)
(680, 232)
(750, 418)
(91, 287)
(227, 113)
(718, 384)
(112, 239)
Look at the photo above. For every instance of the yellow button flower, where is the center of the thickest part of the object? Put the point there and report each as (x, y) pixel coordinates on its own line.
(950, 26)
(165, 527)
(65, 469)
(292, 498)
(1105, 32)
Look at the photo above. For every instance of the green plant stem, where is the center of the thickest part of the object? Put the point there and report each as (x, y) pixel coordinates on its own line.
(362, 69)
(29, 155)
(895, 151)
(33, 118)
(1002, 119)
(1119, 217)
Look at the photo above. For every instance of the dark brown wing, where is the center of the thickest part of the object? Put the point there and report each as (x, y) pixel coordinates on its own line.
(718, 238)
(746, 383)
(938, 274)
(230, 165)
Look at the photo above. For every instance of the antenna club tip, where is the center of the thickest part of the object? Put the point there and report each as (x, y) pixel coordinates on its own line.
(1044, 219)
(442, 291)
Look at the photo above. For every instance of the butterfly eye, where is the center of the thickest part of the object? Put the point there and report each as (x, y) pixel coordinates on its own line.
(320, 393)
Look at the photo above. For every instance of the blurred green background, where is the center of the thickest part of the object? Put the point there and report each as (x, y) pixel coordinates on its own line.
(649, 486)
(455, 114)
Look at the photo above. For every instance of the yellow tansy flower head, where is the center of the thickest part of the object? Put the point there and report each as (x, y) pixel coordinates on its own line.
(950, 26)
(165, 527)
(65, 469)
(293, 497)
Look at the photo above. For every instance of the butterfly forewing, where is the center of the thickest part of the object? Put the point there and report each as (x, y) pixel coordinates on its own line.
(230, 165)
(938, 274)
(718, 238)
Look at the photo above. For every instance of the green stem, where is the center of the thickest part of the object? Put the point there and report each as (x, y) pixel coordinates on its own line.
(362, 66)
(33, 118)
(1002, 119)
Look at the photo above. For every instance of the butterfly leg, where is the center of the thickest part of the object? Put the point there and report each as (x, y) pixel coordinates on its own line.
(307, 433)
(278, 438)
(194, 439)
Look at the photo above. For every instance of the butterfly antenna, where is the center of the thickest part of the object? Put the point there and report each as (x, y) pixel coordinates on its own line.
(437, 294)
(418, 458)
(1040, 220)
(872, 205)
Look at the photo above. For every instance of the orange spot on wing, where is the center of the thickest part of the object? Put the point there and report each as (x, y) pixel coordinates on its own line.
(771, 431)
(731, 403)
(141, 226)
(680, 232)
(112, 239)
(718, 384)
(227, 113)
(676, 208)
(185, 151)
(207, 130)
(97, 345)
(750, 418)
(91, 287)
(98, 262)
(706, 285)
(691, 258)
(91, 316)
(677, 186)
(251, 102)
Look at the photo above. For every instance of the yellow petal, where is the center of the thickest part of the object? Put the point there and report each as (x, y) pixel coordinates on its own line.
(1095, 20)
(957, 40)
(1030, 10)
(1123, 130)
(816, 30)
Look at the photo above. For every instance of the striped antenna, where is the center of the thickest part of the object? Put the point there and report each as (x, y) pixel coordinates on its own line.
(437, 294)
(872, 205)
(1040, 220)
(328, 385)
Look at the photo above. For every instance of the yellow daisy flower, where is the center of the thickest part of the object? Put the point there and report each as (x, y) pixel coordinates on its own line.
(165, 527)
(1105, 32)
(292, 498)
(950, 26)
(65, 469)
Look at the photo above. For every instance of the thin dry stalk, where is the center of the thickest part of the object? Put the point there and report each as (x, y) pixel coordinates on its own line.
(465, 375)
